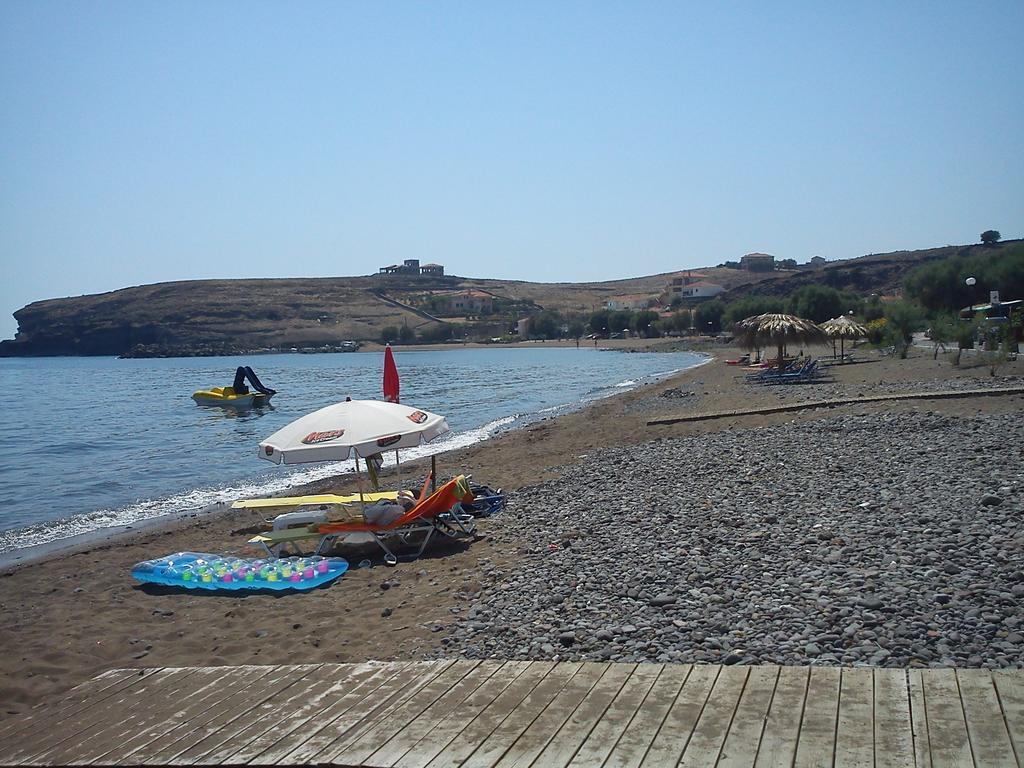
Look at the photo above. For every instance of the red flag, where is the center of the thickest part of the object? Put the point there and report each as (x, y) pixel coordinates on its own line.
(390, 376)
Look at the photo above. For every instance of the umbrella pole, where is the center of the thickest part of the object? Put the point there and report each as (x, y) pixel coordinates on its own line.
(842, 348)
(398, 470)
(782, 364)
(359, 482)
(433, 473)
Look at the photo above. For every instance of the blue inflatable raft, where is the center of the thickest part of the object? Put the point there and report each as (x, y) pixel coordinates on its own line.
(199, 570)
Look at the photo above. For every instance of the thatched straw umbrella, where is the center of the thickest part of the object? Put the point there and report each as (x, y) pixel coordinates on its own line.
(842, 328)
(775, 329)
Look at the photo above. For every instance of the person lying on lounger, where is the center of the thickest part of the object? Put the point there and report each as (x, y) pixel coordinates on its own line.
(386, 511)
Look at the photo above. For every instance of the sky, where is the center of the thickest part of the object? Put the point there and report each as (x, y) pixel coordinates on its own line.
(147, 141)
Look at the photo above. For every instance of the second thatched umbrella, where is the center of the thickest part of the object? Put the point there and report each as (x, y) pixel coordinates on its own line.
(780, 330)
(843, 328)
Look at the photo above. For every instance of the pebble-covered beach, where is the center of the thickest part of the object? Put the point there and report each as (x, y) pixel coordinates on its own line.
(868, 538)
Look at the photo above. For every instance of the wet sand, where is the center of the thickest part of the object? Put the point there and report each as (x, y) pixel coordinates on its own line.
(75, 614)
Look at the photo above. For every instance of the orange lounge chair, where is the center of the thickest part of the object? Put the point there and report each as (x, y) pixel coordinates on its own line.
(440, 512)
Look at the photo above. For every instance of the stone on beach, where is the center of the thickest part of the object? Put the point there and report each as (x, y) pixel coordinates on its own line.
(673, 556)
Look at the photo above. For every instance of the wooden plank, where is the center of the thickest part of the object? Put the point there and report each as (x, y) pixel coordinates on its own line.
(83, 696)
(476, 732)
(378, 748)
(986, 728)
(919, 719)
(894, 732)
(671, 739)
(1010, 689)
(711, 729)
(643, 728)
(782, 726)
(532, 741)
(855, 729)
(564, 744)
(353, 748)
(269, 683)
(364, 714)
(230, 711)
(363, 684)
(947, 729)
(198, 704)
(606, 733)
(744, 738)
(451, 726)
(491, 749)
(76, 734)
(818, 726)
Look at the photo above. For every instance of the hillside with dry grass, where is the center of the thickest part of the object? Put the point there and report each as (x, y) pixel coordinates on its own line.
(229, 316)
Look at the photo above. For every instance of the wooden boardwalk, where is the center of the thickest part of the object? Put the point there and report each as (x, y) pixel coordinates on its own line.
(517, 713)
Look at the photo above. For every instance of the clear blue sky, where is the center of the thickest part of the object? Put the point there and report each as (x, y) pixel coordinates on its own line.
(150, 141)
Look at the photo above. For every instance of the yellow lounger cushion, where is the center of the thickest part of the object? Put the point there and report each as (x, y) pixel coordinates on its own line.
(312, 501)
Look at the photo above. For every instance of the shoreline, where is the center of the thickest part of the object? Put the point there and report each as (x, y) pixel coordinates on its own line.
(42, 552)
(73, 615)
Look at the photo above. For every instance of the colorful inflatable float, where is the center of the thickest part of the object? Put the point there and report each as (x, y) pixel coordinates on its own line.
(200, 570)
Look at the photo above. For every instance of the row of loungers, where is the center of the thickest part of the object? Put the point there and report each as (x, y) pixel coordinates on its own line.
(798, 372)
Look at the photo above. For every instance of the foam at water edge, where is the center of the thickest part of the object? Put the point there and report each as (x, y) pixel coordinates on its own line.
(197, 499)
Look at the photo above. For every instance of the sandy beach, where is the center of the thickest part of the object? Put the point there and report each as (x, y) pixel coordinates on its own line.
(75, 614)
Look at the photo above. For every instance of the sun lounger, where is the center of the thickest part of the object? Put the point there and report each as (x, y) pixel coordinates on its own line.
(440, 512)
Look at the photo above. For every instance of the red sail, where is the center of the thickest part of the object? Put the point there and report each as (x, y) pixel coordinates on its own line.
(390, 376)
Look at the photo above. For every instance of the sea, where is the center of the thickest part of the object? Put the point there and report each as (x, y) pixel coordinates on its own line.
(88, 443)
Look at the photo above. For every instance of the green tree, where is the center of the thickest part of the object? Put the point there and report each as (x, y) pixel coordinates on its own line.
(642, 322)
(389, 334)
(990, 237)
(599, 321)
(576, 328)
(545, 325)
(941, 286)
(708, 316)
(818, 302)
(619, 320)
(903, 318)
(406, 335)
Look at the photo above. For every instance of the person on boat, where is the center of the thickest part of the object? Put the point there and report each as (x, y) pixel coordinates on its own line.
(239, 386)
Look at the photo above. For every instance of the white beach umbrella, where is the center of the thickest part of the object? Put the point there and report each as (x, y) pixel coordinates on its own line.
(364, 426)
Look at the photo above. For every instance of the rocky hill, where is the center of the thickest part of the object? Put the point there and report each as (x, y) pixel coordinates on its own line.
(233, 316)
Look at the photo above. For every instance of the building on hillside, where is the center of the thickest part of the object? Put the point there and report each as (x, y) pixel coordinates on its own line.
(699, 290)
(685, 278)
(758, 262)
(412, 267)
(468, 302)
(631, 303)
(816, 261)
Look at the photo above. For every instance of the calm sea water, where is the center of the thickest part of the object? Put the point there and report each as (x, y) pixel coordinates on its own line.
(87, 443)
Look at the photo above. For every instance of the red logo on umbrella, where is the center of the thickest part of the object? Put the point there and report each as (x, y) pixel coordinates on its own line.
(384, 442)
(322, 437)
(269, 449)
(417, 417)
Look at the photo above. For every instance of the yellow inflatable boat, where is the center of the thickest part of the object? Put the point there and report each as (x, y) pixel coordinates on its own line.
(228, 396)
(238, 395)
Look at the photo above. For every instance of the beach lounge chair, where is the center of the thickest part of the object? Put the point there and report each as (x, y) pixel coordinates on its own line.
(440, 512)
